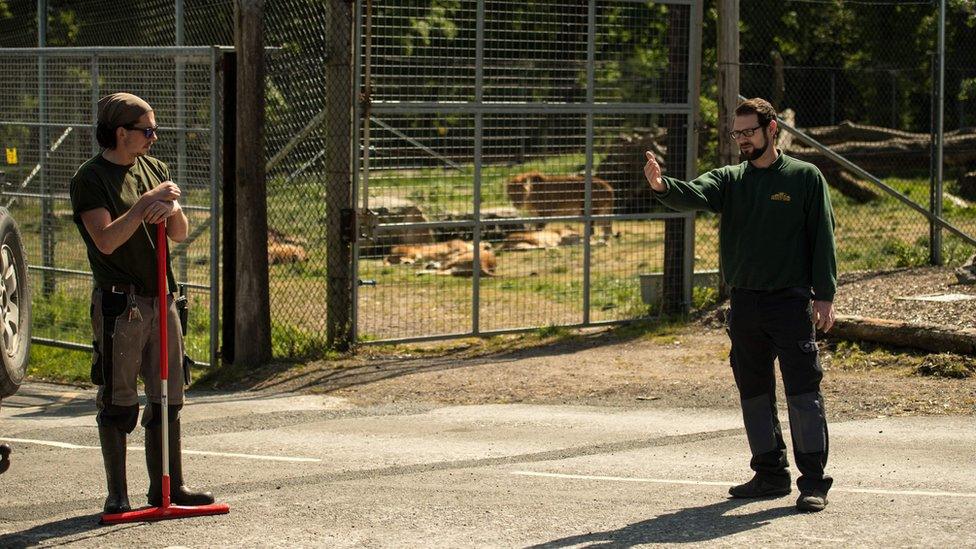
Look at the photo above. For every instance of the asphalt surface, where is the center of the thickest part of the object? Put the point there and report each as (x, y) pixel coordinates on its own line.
(314, 471)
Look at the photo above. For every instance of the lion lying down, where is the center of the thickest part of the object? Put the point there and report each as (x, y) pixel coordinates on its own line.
(454, 257)
(541, 239)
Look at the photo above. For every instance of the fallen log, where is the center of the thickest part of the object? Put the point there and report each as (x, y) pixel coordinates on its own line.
(894, 155)
(848, 131)
(929, 337)
(850, 186)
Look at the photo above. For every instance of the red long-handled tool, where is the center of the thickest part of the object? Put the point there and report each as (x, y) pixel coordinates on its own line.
(165, 511)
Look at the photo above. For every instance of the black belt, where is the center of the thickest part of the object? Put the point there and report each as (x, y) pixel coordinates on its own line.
(125, 289)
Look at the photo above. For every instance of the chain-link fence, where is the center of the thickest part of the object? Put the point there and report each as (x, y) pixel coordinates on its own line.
(501, 145)
(862, 78)
(502, 163)
(47, 111)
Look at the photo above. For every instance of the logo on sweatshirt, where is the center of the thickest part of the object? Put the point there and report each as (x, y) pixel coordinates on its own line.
(781, 197)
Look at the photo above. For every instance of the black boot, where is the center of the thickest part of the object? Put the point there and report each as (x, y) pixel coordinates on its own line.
(4, 458)
(178, 493)
(113, 454)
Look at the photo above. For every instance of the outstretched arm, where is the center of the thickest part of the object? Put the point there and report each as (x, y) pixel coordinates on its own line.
(703, 193)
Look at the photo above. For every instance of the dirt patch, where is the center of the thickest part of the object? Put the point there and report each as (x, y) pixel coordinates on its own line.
(877, 294)
(632, 367)
(653, 365)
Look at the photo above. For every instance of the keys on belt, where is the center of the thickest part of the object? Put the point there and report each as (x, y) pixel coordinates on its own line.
(130, 293)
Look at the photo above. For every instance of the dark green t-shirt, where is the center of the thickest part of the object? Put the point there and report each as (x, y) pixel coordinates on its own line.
(100, 183)
(777, 227)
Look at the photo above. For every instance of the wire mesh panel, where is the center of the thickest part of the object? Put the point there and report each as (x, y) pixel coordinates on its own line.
(959, 200)
(52, 108)
(418, 264)
(501, 162)
(862, 79)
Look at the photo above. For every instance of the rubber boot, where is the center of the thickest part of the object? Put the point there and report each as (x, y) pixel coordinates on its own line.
(4, 458)
(113, 454)
(178, 493)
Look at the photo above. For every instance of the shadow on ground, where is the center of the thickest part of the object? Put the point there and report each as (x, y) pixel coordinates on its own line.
(388, 363)
(689, 525)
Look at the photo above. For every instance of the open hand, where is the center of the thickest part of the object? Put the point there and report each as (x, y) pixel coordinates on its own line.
(652, 171)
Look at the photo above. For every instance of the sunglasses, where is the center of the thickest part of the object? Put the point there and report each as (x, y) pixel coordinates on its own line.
(146, 132)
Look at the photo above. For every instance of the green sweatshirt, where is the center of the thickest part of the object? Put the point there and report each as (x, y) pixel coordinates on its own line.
(777, 228)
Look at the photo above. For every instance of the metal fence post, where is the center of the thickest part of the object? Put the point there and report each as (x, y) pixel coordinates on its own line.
(479, 127)
(935, 199)
(339, 152)
(215, 153)
(691, 162)
(588, 172)
(181, 120)
(94, 102)
(47, 210)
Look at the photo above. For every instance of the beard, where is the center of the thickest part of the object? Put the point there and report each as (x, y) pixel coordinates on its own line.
(757, 152)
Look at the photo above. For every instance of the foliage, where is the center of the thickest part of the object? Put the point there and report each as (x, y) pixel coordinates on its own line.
(863, 356)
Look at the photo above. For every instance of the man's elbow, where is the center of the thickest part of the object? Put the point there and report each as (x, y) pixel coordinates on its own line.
(106, 248)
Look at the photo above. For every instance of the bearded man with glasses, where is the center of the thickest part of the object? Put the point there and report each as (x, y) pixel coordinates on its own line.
(777, 250)
(115, 196)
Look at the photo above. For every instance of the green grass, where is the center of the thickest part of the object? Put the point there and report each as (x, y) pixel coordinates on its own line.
(878, 235)
(61, 365)
(865, 356)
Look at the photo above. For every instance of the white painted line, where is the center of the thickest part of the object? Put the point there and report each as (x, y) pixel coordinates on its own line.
(622, 479)
(70, 446)
(714, 483)
(253, 456)
(54, 443)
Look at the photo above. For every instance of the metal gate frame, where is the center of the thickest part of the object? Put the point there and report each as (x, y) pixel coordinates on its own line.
(209, 55)
(478, 108)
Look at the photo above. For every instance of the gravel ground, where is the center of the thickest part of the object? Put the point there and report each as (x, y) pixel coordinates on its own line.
(876, 295)
(677, 366)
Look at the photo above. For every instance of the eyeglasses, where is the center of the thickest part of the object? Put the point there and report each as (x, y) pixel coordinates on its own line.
(748, 132)
(146, 132)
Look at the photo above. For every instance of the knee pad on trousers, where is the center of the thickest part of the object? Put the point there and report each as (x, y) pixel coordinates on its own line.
(807, 422)
(123, 418)
(757, 414)
(152, 416)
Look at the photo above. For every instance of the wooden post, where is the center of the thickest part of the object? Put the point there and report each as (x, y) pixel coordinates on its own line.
(338, 168)
(779, 80)
(728, 93)
(673, 298)
(229, 214)
(728, 78)
(252, 319)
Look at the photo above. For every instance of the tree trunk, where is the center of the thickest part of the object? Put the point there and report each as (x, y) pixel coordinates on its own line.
(252, 323)
(728, 96)
(939, 339)
(339, 149)
(674, 228)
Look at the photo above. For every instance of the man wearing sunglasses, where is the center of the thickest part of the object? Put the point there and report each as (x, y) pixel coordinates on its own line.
(116, 195)
(777, 251)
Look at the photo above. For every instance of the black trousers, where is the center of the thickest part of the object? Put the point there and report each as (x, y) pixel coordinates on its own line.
(763, 326)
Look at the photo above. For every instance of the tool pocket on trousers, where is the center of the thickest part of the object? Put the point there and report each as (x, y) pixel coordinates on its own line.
(97, 374)
(809, 354)
(187, 363)
(113, 304)
(807, 346)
